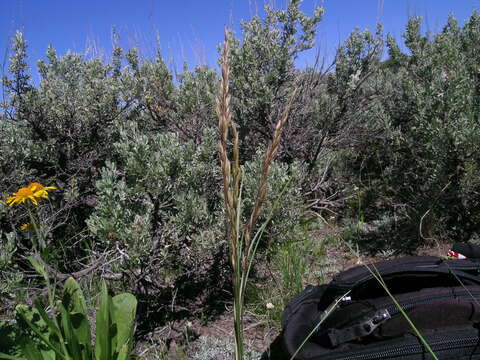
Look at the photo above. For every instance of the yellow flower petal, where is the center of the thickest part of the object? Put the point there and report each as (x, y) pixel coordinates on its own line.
(25, 227)
(35, 186)
(33, 199)
(32, 192)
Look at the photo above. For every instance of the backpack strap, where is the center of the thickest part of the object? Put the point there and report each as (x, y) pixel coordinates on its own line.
(309, 295)
(299, 318)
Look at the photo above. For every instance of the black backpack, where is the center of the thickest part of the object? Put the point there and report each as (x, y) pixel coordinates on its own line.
(439, 296)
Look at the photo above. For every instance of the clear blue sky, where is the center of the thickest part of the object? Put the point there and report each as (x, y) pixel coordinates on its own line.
(189, 30)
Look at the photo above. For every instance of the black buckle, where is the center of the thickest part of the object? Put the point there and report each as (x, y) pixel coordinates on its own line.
(357, 331)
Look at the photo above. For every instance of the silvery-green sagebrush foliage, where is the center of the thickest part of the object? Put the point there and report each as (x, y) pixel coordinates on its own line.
(58, 127)
(161, 200)
(134, 153)
(262, 69)
(195, 103)
(161, 197)
(417, 175)
(430, 154)
(391, 139)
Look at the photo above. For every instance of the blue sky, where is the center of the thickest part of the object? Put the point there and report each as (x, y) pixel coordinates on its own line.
(189, 30)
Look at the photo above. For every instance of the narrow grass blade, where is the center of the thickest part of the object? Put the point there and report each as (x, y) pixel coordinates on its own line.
(327, 312)
(251, 251)
(376, 274)
(462, 285)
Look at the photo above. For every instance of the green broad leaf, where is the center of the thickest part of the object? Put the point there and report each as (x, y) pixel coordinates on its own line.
(75, 304)
(38, 322)
(71, 341)
(73, 298)
(48, 355)
(124, 352)
(31, 352)
(103, 346)
(123, 316)
(9, 357)
(10, 335)
(86, 348)
(50, 324)
(37, 265)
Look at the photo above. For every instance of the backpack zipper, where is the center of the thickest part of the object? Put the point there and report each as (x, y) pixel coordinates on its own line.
(437, 343)
(407, 305)
(410, 266)
(392, 310)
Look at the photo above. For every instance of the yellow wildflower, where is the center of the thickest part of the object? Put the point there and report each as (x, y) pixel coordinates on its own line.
(32, 192)
(40, 191)
(20, 196)
(25, 227)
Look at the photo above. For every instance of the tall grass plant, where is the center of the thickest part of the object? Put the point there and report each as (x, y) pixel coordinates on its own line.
(243, 239)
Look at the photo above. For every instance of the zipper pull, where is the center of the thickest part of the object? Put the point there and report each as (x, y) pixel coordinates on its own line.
(359, 330)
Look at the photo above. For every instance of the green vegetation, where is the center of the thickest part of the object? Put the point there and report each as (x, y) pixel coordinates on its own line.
(37, 336)
(383, 148)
